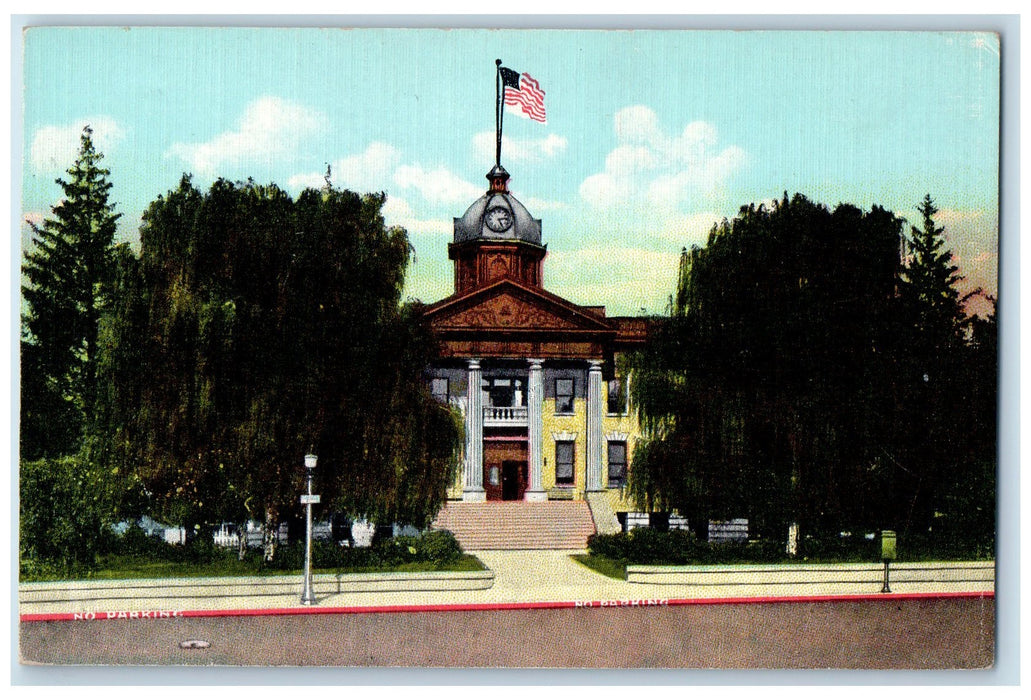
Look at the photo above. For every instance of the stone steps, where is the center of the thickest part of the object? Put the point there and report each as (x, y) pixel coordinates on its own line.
(518, 524)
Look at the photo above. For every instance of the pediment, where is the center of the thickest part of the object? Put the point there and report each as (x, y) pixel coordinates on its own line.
(507, 306)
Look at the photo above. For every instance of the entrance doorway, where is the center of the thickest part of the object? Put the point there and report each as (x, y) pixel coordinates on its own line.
(513, 485)
(504, 469)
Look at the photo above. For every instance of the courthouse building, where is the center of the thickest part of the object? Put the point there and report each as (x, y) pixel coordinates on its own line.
(535, 377)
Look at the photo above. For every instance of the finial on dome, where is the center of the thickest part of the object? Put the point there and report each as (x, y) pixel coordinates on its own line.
(498, 178)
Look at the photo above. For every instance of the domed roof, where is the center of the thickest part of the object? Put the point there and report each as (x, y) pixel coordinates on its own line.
(498, 216)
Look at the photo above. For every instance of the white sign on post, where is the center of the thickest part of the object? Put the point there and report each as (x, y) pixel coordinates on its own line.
(306, 499)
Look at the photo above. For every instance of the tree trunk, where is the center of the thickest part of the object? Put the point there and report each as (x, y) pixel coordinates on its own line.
(271, 534)
(241, 549)
(792, 545)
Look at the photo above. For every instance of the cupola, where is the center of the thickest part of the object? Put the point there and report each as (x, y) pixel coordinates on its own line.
(497, 238)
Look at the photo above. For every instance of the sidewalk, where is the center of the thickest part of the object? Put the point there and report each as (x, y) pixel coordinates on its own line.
(537, 578)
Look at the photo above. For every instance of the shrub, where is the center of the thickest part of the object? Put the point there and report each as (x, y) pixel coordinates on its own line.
(136, 543)
(610, 546)
(64, 515)
(834, 547)
(437, 547)
(648, 546)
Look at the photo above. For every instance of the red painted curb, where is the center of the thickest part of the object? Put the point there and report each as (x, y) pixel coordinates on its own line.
(465, 607)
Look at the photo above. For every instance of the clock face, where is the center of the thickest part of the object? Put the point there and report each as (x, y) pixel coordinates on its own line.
(498, 219)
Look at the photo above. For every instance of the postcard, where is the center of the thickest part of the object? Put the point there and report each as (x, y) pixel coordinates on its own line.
(473, 348)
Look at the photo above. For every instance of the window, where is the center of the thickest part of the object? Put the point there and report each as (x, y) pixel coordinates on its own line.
(564, 456)
(617, 463)
(564, 395)
(616, 397)
(505, 392)
(439, 389)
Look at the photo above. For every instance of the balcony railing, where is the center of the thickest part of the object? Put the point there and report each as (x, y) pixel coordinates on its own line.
(504, 415)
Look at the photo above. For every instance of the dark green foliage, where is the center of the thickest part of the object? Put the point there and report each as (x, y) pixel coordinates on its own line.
(678, 547)
(435, 547)
(136, 545)
(928, 288)
(135, 542)
(69, 270)
(134, 553)
(809, 373)
(646, 546)
(253, 329)
(65, 513)
(948, 394)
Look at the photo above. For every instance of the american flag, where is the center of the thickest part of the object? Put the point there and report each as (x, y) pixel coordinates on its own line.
(524, 95)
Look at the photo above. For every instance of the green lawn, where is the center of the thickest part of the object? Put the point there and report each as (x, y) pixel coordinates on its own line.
(117, 567)
(616, 568)
(613, 568)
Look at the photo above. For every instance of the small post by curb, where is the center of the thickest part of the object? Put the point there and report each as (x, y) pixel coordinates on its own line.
(307, 594)
(887, 555)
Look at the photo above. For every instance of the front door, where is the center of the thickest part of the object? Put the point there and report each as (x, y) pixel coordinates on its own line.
(504, 469)
(513, 483)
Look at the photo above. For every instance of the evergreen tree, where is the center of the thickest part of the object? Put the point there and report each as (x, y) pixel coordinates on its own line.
(929, 286)
(937, 426)
(69, 271)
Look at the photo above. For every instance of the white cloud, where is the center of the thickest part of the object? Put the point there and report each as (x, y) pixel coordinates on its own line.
(518, 150)
(379, 167)
(368, 171)
(649, 168)
(689, 229)
(269, 126)
(625, 279)
(638, 125)
(397, 212)
(55, 147)
(438, 186)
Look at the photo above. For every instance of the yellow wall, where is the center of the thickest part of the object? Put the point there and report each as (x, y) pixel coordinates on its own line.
(575, 422)
(625, 423)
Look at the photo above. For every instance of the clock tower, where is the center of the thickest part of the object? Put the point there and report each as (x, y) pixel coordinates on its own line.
(497, 239)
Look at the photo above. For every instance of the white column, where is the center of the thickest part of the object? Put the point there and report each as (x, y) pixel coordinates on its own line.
(535, 429)
(473, 490)
(595, 481)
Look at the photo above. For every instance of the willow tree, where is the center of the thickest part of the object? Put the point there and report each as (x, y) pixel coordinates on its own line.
(264, 328)
(767, 392)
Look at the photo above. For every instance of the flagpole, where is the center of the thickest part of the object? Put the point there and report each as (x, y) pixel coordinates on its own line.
(497, 109)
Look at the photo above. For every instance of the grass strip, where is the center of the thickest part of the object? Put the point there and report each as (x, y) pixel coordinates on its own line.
(613, 568)
(126, 568)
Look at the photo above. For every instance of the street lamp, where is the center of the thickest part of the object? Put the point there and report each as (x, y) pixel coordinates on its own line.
(307, 594)
(888, 554)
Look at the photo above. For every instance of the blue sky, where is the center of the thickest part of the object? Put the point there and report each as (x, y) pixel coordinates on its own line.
(651, 135)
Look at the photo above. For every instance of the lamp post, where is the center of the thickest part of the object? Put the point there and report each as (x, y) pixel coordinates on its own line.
(307, 594)
(888, 554)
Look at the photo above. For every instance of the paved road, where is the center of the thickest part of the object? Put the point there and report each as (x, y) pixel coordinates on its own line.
(914, 633)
